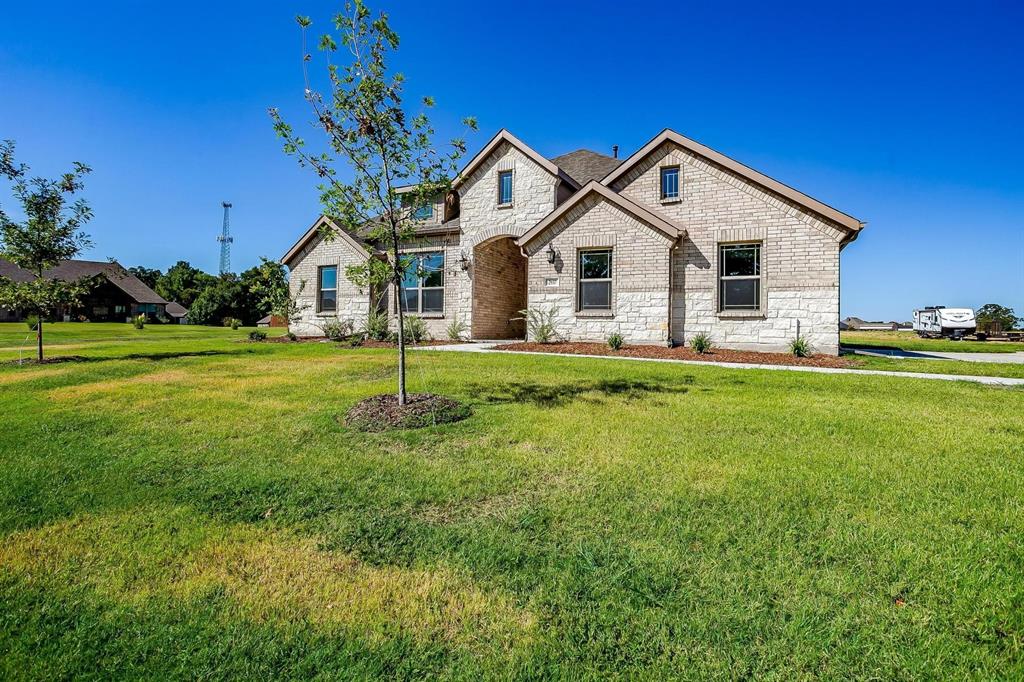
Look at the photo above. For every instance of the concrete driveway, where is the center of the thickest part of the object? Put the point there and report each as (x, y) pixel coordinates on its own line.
(1005, 358)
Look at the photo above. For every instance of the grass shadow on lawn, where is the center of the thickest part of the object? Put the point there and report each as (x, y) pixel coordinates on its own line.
(558, 395)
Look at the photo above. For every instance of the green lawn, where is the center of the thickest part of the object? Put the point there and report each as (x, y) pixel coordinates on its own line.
(186, 505)
(911, 341)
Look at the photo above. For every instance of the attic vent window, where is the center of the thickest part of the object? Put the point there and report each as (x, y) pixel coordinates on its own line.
(505, 187)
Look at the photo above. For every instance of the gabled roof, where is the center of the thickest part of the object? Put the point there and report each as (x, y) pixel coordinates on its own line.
(175, 309)
(645, 215)
(135, 288)
(771, 184)
(505, 136)
(314, 230)
(14, 272)
(584, 165)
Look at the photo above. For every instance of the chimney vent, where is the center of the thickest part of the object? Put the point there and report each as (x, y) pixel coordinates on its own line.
(615, 151)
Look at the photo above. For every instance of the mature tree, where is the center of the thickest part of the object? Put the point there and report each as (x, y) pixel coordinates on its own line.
(991, 313)
(50, 233)
(368, 132)
(220, 300)
(260, 283)
(149, 276)
(183, 283)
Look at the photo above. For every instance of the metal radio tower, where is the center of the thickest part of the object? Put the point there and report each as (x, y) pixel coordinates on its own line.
(225, 240)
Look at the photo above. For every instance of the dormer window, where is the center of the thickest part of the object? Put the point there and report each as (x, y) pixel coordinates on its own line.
(425, 212)
(670, 183)
(504, 187)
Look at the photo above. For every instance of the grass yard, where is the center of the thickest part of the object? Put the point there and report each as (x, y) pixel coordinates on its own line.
(911, 341)
(188, 506)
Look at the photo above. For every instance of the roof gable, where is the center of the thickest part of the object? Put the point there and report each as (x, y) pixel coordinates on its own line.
(496, 141)
(314, 231)
(808, 203)
(644, 215)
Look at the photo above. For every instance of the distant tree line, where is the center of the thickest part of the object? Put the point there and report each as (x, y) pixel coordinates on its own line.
(211, 299)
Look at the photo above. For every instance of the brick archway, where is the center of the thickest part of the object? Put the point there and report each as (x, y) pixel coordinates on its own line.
(499, 289)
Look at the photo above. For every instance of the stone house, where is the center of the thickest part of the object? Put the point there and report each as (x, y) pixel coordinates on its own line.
(674, 240)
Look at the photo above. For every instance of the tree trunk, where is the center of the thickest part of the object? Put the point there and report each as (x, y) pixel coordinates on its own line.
(399, 276)
(39, 338)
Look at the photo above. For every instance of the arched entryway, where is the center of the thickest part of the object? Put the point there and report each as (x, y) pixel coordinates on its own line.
(499, 289)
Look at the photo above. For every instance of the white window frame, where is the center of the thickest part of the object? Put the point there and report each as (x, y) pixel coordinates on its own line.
(580, 280)
(759, 277)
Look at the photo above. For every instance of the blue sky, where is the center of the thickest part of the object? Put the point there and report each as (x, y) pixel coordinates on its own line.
(908, 116)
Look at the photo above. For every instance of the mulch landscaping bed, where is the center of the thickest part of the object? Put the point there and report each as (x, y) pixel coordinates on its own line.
(382, 412)
(682, 353)
(47, 361)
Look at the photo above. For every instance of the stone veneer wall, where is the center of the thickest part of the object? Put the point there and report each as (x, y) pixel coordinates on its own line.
(499, 290)
(640, 271)
(353, 302)
(800, 255)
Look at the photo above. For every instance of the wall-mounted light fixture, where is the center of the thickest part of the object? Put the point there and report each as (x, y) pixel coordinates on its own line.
(463, 261)
(552, 254)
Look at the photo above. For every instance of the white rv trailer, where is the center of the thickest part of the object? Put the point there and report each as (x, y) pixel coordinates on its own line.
(940, 321)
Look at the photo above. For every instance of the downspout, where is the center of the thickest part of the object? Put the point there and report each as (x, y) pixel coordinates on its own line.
(668, 326)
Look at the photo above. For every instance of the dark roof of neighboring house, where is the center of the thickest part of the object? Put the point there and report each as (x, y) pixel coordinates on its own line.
(13, 272)
(175, 309)
(135, 288)
(584, 165)
(266, 319)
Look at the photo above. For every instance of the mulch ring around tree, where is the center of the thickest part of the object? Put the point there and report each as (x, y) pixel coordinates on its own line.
(56, 360)
(382, 412)
(683, 353)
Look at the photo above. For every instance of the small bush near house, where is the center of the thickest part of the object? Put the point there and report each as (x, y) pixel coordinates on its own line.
(416, 329)
(377, 325)
(291, 336)
(615, 341)
(257, 335)
(139, 322)
(32, 321)
(801, 348)
(701, 343)
(456, 329)
(232, 322)
(540, 324)
(337, 330)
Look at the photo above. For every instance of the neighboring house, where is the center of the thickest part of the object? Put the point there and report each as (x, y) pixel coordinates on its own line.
(176, 312)
(116, 296)
(15, 273)
(675, 240)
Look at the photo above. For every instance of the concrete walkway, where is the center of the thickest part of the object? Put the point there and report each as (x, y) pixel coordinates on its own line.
(488, 347)
(1003, 358)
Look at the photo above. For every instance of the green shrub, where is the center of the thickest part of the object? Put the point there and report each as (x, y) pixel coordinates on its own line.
(291, 336)
(801, 347)
(416, 329)
(337, 330)
(32, 321)
(701, 343)
(540, 324)
(615, 341)
(257, 335)
(139, 322)
(456, 329)
(377, 326)
(233, 322)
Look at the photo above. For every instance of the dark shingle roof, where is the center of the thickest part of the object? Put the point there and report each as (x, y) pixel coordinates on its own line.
(71, 270)
(584, 165)
(175, 309)
(13, 272)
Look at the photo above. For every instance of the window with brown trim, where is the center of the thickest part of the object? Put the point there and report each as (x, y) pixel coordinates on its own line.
(595, 279)
(327, 289)
(739, 277)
